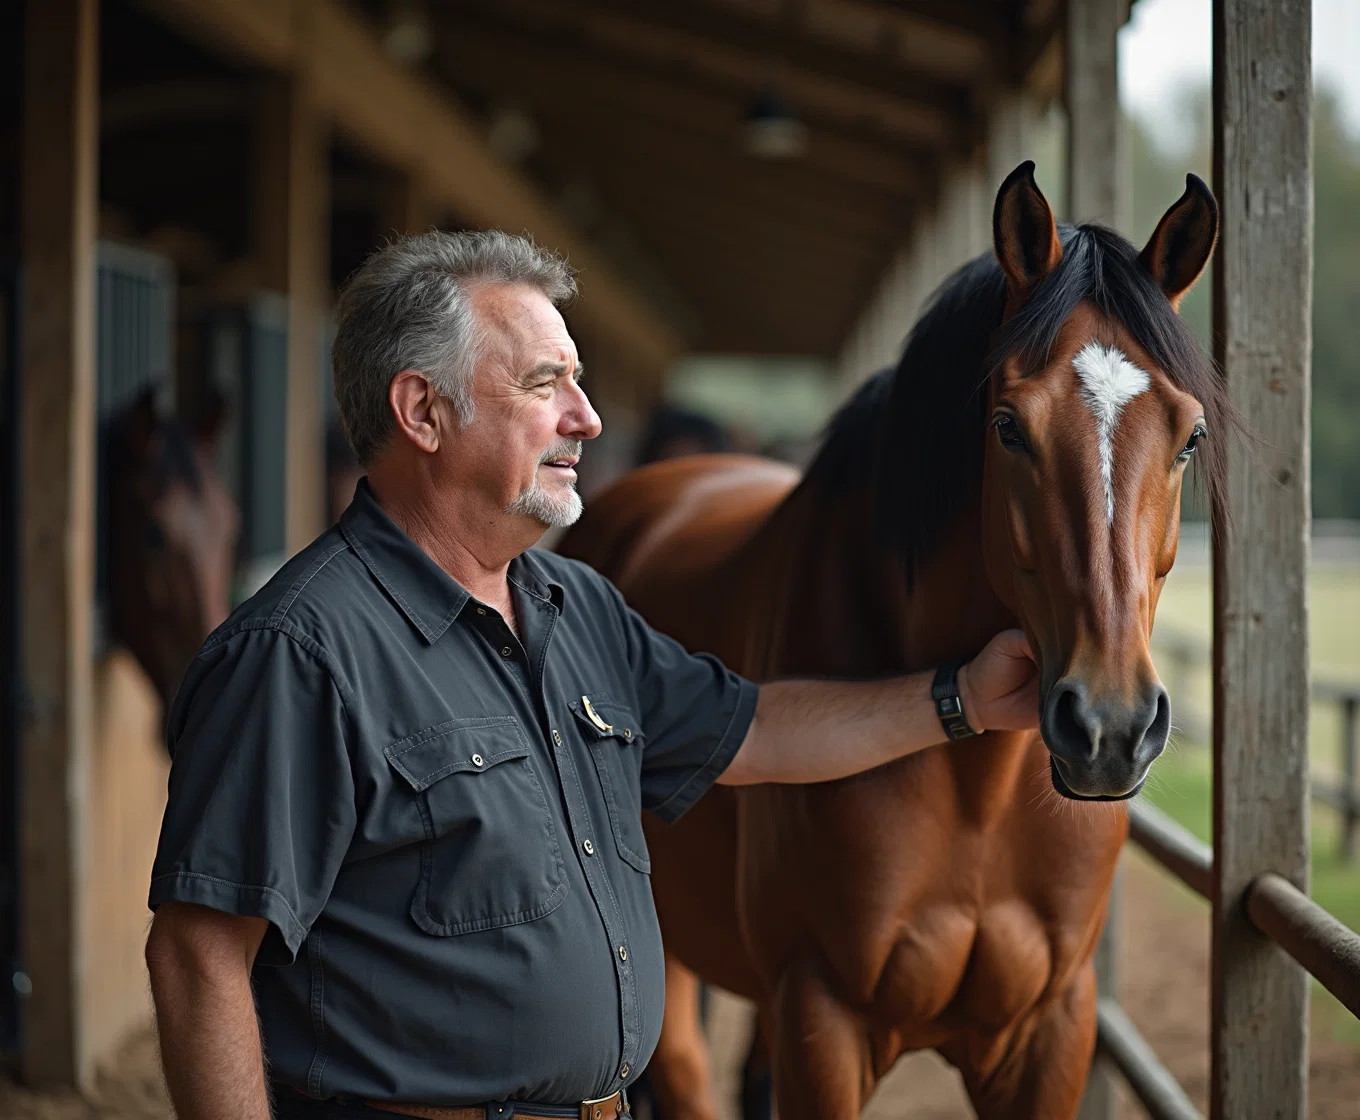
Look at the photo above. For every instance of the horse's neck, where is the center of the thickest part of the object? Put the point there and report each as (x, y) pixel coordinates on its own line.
(837, 602)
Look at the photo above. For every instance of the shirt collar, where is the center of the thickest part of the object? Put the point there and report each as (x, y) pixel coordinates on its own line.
(426, 594)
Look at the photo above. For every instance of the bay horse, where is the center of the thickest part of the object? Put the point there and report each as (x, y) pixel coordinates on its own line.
(172, 530)
(1021, 466)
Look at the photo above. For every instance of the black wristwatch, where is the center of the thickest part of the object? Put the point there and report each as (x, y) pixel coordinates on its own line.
(948, 706)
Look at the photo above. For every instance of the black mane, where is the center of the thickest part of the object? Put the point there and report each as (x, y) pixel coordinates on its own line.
(915, 433)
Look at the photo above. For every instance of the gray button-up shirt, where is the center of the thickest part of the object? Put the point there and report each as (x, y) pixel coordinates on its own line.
(441, 822)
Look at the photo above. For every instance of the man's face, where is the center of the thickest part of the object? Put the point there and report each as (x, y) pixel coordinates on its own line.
(531, 415)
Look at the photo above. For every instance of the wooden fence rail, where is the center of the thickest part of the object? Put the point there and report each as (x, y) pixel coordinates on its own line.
(1152, 1083)
(1326, 948)
(1179, 653)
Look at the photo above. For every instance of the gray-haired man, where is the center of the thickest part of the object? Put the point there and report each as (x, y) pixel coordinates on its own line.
(404, 807)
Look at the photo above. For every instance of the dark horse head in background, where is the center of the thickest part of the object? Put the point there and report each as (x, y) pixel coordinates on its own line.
(172, 529)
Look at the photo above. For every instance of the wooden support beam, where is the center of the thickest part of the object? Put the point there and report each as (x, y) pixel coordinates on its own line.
(292, 240)
(56, 502)
(1263, 277)
(1095, 166)
(408, 123)
(1094, 179)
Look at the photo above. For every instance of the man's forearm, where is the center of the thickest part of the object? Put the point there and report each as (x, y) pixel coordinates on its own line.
(816, 731)
(210, 1040)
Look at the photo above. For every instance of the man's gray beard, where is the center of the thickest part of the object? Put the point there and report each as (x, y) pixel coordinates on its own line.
(549, 511)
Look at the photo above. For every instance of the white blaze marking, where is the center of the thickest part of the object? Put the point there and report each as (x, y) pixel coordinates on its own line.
(1108, 382)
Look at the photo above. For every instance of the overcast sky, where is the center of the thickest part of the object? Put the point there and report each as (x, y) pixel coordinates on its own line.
(1167, 43)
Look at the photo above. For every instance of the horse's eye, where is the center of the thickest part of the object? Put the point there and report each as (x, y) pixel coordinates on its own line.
(1189, 449)
(1008, 431)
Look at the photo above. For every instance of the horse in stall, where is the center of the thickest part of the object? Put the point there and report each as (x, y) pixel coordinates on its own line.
(1021, 466)
(172, 531)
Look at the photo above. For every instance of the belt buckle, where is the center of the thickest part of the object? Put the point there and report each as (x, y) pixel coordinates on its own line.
(596, 1110)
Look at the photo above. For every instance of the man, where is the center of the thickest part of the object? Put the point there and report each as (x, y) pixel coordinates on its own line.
(402, 867)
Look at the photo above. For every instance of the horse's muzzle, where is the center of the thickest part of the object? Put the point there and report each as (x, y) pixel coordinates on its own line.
(1101, 749)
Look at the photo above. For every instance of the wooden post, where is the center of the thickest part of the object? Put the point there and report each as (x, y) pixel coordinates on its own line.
(1094, 194)
(1094, 132)
(1263, 282)
(56, 501)
(292, 239)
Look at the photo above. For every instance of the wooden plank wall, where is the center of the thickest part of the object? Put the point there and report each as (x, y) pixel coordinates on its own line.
(1262, 303)
(59, 200)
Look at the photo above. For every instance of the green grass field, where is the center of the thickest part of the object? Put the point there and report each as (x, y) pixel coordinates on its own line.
(1182, 781)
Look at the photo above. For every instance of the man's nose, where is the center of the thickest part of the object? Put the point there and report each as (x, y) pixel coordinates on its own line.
(580, 421)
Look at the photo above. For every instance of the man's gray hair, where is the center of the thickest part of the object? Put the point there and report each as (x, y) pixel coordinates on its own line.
(408, 307)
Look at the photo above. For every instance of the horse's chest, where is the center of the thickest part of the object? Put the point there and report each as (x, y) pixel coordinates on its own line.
(949, 961)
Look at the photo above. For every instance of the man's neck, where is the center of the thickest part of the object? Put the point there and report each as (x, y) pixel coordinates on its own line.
(439, 525)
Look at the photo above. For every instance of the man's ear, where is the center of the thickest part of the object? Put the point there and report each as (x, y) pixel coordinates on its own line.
(1024, 234)
(412, 399)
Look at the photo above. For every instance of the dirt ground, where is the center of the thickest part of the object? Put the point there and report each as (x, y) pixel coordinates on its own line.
(1165, 991)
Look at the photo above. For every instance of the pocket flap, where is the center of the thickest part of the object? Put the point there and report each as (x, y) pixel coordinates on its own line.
(603, 718)
(457, 746)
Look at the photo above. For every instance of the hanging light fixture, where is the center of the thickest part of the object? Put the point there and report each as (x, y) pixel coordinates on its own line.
(408, 37)
(770, 129)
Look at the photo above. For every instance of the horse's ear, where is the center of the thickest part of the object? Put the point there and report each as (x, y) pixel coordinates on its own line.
(1183, 241)
(1024, 233)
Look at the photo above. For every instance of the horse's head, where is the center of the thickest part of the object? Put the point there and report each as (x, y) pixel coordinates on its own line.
(1099, 398)
(172, 527)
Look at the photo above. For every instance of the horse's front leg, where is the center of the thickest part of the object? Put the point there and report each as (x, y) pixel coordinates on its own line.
(1039, 1072)
(680, 1073)
(821, 1051)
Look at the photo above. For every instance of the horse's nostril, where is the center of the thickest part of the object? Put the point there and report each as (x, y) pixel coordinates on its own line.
(1067, 733)
(1158, 731)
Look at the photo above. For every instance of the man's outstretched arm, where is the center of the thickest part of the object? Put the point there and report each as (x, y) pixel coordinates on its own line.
(816, 731)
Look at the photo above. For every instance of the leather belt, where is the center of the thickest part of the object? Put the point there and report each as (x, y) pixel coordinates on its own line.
(606, 1108)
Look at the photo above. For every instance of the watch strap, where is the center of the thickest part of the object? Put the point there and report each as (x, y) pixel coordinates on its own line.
(944, 690)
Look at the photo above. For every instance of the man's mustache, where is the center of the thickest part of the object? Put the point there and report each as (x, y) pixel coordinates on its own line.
(566, 449)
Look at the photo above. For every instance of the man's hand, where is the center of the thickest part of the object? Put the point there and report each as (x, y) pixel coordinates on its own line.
(999, 688)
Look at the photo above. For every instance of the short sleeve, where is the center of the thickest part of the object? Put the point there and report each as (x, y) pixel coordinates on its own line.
(261, 805)
(695, 714)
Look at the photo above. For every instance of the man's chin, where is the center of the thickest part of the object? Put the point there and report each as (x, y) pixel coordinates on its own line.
(552, 511)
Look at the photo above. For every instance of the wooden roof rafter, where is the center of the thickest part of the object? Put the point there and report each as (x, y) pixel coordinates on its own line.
(563, 90)
(853, 90)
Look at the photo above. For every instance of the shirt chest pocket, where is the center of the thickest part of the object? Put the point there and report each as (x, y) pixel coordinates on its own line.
(490, 856)
(615, 740)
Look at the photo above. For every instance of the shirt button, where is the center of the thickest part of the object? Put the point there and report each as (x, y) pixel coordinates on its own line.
(481, 610)
(557, 737)
(477, 760)
(623, 952)
(506, 651)
(627, 734)
(588, 846)
(625, 1070)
